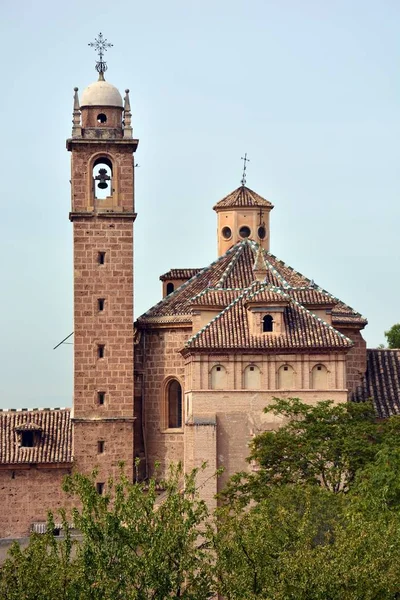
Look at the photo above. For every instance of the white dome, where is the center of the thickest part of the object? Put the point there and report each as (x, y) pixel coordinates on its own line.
(101, 93)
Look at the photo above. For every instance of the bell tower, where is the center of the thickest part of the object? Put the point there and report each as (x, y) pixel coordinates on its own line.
(102, 214)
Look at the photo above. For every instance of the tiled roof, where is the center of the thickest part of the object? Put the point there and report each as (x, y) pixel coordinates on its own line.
(311, 297)
(53, 438)
(219, 298)
(243, 196)
(234, 271)
(230, 329)
(179, 274)
(381, 382)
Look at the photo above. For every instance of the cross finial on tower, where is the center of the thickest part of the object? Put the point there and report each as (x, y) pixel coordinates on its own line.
(245, 160)
(101, 45)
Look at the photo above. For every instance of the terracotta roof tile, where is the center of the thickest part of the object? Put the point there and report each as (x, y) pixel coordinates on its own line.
(243, 196)
(303, 330)
(234, 270)
(53, 440)
(179, 274)
(381, 382)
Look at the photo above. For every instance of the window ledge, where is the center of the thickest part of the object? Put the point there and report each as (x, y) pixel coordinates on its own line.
(173, 430)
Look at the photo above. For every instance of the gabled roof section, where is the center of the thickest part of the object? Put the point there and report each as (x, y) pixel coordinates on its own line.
(381, 382)
(53, 443)
(243, 197)
(230, 330)
(179, 274)
(234, 270)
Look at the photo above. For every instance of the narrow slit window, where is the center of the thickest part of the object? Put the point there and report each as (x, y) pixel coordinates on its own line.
(101, 257)
(100, 350)
(101, 303)
(100, 446)
(101, 397)
(174, 400)
(100, 488)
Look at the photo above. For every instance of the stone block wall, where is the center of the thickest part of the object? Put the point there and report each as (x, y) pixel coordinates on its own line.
(157, 358)
(26, 496)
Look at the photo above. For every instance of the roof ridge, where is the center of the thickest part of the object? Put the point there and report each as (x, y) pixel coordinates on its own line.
(239, 247)
(184, 285)
(321, 320)
(268, 264)
(25, 410)
(218, 316)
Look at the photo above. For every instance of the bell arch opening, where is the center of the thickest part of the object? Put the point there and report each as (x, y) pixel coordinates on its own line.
(102, 174)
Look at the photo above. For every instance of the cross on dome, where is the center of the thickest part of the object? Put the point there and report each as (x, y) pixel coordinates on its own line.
(245, 160)
(101, 46)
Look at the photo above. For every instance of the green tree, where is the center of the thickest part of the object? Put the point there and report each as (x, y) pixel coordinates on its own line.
(136, 544)
(324, 445)
(393, 336)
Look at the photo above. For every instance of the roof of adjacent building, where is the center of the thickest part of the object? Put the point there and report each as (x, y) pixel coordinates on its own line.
(226, 285)
(243, 197)
(381, 382)
(53, 436)
(183, 274)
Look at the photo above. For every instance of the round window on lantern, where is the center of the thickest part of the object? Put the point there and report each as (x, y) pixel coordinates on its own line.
(226, 232)
(244, 231)
(101, 118)
(261, 232)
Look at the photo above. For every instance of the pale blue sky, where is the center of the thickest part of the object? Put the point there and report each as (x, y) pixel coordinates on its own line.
(309, 89)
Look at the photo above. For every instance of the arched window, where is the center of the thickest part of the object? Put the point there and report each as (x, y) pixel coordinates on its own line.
(170, 288)
(319, 377)
(218, 378)
(268, 323)
(174, 404)
(102, 178)
(252, 378)
(286, 380)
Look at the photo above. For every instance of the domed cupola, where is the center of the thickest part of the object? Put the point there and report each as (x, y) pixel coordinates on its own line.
(101, 94)
(101, 112)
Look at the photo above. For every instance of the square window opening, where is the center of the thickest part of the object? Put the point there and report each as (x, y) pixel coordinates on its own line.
(218, 369)
(28, 439)
(100, 488)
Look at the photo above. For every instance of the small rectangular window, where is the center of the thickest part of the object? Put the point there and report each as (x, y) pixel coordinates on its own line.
(100, 446)
(28, 439)
(100, 303)
(100, 350)
(100, 488)
(101, 396)
(218, 369)
(101, 257)
(251, 368)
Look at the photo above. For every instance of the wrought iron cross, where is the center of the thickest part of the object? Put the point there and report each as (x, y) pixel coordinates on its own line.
(245, 160)
(101, 45)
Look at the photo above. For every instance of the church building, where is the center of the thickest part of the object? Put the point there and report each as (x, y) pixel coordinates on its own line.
(189, 379)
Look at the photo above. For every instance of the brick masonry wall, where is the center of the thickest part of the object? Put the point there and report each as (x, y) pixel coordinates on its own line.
(113, 327)
(118, 447)
(27, 495)
(356, 358)
(158, 358)
(81, 175)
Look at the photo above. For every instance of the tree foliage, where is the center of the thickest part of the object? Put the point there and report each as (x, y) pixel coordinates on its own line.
(393, 336)
(136, 544)
(325, 445)
(320, 520)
